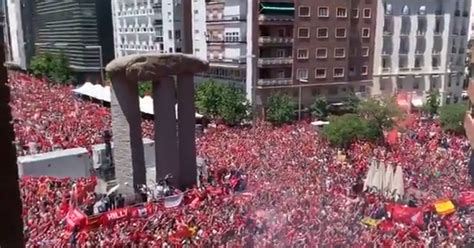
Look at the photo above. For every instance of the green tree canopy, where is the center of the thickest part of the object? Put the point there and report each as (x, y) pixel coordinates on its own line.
(222, 101)
(380, 114)
(208, 98)
(452, 116)
(281, 109)
(145, 88)
(344, 130)
(320, 108)
(432, 103)
(53, 66)
(234, 106)
(351, 103)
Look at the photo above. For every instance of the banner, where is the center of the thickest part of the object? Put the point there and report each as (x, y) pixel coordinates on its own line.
(174, 200)
(114, 215)
(142, 211)
(406, 215)
(75, 218)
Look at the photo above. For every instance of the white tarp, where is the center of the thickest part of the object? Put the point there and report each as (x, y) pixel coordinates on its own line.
(104, 94)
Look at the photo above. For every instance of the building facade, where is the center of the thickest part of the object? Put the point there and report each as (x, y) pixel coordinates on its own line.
(76, 27)
(142, 26)
(268, 46)
(421, 46)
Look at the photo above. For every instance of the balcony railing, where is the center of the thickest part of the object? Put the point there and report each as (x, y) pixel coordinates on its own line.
(229, 18)
(275, 18)
(437, 33)
(227, 40)
(274, 81)
(403, 69)
(387, 33)
(228, 60)
(420, 32)
(386, 69)
(275, 40)
(275, 61)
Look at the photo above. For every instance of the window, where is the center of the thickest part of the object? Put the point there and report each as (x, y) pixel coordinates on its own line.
(232, 36)
(364, 70)
(405, 10)
(323, 12)
(365, 32)
(321, 53)
(365, 51)
(280, 74)
(340, 33)
(355, 13)
(367, 13)
(341, 12)
(303, 54)
(303, 32)
(332, 91)
(362, 88)
(304, 11)
(339, 53)
(338, 72)
(302, 73)
(323, 32)
(320, 73)
(416, 85)
(280, 53)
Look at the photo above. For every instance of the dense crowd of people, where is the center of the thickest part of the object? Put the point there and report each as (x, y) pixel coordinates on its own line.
(51, 117)
(297, 192)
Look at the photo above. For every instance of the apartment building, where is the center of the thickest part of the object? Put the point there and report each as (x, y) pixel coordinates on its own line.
(278, 45)
(421, 46)
(82, 29)
(332, 48)
(142, 26)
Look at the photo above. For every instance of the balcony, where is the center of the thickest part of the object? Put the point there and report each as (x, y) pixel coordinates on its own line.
(158, 22)
(228, 18)
(228, 60)
(386, 69)
(439, 13)
(403, 69)
(437, 32)
(275, 19)
(387, 33)
(275, 40)
(159, 39)
(226, 40)
(275, 61)
(436, 52)
(420, 33)
(274, 81)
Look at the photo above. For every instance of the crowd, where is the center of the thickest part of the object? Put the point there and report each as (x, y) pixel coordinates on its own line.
(297, 193)
(51, 117)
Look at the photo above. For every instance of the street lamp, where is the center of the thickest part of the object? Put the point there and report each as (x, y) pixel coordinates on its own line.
(300, 85)
(100, 60)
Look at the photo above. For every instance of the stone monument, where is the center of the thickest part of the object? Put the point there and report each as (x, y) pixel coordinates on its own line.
(175, 143)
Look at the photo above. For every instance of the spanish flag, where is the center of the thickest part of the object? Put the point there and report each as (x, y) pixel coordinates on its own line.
(444, 207)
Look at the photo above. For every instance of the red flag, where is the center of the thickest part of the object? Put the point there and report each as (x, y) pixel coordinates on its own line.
(466, 199)
(406, 215)
(392, 137)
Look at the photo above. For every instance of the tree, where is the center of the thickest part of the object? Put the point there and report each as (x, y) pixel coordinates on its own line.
(53, 66)
(344, 130)
(320, 108)
(351, 103)
(452, 116)
(432, 103)
(208, 98)
(281, 109)
(234, 106)
(380, 114)
(222, 101)
(145, 88)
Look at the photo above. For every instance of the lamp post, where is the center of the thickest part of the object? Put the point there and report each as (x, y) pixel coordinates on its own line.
(300, 85)
(100, 60)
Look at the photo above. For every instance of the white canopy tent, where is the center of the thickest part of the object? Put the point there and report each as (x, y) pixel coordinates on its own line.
(104, 94)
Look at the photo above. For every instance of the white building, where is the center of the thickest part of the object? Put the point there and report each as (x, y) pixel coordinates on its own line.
(15, 32)
(142, 26)
(421, 45)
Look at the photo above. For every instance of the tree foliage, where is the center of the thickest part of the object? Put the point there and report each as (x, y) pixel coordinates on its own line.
(351, 103)
(380, 113)
(145, 88)
(223, 101)
(320, 108)
(344, 130)
(234, 106)
(53, 66)
(281, 109)
(452, 116)
(432, 103)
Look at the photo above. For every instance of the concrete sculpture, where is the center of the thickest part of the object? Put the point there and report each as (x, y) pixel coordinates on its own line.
(175, 144)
